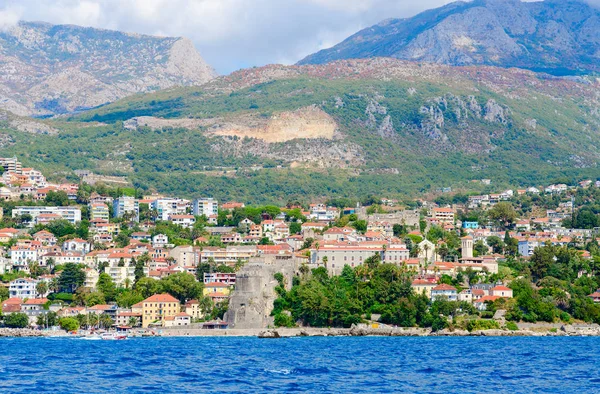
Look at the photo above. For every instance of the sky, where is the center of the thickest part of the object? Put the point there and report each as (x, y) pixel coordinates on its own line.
(230, 34)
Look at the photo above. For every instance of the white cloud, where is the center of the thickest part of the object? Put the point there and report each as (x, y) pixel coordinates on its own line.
(8, 18)
(230, 34)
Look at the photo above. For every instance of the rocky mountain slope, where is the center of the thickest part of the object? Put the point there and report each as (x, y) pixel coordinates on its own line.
(555, 36)
(47, 70)
(346, 128)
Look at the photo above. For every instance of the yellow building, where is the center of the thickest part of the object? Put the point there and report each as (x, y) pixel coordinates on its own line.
(421, 286)
(215, 287)
(158, 307)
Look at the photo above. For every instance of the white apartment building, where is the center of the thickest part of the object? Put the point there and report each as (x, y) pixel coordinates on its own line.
(72, 214)
(20, 256)
(167, 207)
(23, 288)
(205, 206)
(229, 255)
(126, 205)
(186, 221)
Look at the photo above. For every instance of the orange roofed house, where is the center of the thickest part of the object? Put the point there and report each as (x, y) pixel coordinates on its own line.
(158, 307)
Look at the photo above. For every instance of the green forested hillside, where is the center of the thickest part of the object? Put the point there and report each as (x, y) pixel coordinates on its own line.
(402, 128)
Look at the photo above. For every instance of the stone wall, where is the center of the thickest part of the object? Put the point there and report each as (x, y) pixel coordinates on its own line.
(251, 302)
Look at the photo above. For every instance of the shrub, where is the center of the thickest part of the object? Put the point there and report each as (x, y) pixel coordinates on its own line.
(68, 323)
(16, 320)
(284, 320)
(512, 326)
(438, 323)
(475, 325)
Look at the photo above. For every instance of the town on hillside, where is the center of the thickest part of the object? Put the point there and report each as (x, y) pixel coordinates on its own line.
(78, 256)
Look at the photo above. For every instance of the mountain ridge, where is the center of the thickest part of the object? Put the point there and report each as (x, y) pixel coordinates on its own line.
(547, 36)
(54, 69)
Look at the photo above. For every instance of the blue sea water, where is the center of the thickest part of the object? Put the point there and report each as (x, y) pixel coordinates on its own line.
(316, 364)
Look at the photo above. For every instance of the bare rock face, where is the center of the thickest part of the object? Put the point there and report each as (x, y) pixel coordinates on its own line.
(556, 36)
(47, 70)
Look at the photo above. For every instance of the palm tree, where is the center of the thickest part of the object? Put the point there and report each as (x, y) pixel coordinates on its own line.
(325, 259)
(127, 283)
(426, 248)
(133, 321)
(53, 285)
(41, 288)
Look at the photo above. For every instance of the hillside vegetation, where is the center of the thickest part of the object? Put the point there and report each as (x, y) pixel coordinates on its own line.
(398, 128)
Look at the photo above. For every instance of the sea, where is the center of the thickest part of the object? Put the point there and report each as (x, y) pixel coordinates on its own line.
(306, 365)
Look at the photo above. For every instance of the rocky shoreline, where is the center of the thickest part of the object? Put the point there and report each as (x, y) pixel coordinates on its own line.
(22, 333)
(358, 331)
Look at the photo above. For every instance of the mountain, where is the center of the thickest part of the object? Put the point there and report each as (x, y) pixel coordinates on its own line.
(47, 70)
(556, 36)
(349, 128)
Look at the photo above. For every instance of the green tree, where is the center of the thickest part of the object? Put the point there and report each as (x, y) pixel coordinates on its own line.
(147, 287)
(16, 320)
(139, 267)
(106, 286)
(503, 214)
(58, 198)
(47, 319)
(71, 278)
(295, 228)
(41, 288)
(182, 286)
(68, 323)
(495, 243)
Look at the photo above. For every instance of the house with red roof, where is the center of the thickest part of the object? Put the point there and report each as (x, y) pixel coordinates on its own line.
(444, 292)
(501, 291)
(595, 296)
(156, 308)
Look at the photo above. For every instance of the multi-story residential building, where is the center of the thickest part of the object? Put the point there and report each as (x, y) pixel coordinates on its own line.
(91, 278)
(221, 277)
(167, 207)
(158, 307)
(122, 275)
(11, 164)
(21, 256)
(35, 177)
(445, 292)
(205, 206)
(127, 206)
(192, 308)
(77, 245)
(422, 286)
(34, 307)
(45, 237)
(99, 211)
(323, 213)
(103, 227)
(215, 287)
(443, 215)
(24, 288)
(335, 257)
(229, 255)
(72, 214)
(186, 221)
(180, 319)
(185, 256)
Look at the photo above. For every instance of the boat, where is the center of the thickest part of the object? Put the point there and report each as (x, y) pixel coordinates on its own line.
(93, 337)
(109, 336)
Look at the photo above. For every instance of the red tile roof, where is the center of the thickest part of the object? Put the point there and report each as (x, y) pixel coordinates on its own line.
(444, 286)
(161, 298)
